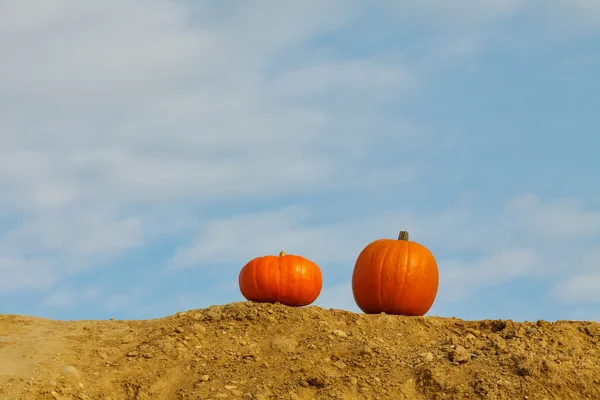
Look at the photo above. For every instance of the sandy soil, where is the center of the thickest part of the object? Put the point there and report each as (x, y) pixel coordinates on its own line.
(270, 351)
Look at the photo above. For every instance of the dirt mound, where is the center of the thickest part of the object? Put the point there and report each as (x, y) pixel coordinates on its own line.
(270, 351)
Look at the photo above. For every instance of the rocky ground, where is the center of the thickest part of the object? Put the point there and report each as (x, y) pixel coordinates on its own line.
(270, 351)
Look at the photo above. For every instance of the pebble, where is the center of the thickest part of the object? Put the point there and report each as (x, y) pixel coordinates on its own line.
(70, 370)
(499, 342)
(460, 355)
(127, 339)
(214, 313)
(339, 333)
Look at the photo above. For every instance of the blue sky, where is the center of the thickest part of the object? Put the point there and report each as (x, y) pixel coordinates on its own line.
(149, 149)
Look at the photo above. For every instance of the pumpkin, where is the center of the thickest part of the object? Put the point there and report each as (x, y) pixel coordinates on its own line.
(288, 279)
(395, 277)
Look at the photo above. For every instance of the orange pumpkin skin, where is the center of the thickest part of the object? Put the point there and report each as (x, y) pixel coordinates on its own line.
(396, 277)
(288, 279)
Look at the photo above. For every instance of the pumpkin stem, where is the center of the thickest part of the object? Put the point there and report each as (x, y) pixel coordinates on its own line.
(281, 253)
(403, 235)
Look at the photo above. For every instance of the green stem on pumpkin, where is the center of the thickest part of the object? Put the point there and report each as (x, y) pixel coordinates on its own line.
(403, 235)
(281, 253)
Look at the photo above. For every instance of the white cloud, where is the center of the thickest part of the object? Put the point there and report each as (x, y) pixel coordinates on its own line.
(71, 297)
(579, 14)
(371, 78)
(134, 109)
(30, 272)
(459, 279)
(529, 238)
(134, 297)
(556, 219)
(563, 15)
(460, 12)
(247, 236)
(110, 105)
(460, 47)
(80, 233)
(292, 229)
(580, 288)
(96, 52)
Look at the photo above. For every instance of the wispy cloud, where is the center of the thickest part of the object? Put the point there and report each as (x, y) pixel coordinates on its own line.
(557, 219)
(580, 288)
(71, 297)
(152, 110)
(462, 11)
(27, 273)
(461, 279)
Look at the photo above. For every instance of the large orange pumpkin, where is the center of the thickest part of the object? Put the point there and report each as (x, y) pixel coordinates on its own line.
(396, 277)
(288, 279)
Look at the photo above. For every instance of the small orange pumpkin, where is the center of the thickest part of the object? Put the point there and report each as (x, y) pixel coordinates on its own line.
(396, 277)
(288, 279)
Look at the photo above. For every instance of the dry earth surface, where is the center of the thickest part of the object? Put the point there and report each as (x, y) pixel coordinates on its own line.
(270, 351)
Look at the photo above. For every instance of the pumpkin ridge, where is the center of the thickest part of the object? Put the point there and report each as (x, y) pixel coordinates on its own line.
(382, 266)
(291, 281)
(264, 266)
(280, 264)
(354, 281)
(407, 261)
(386, 256)
(288, 283)
(257, 287)
(397, 270)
